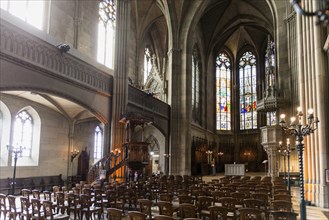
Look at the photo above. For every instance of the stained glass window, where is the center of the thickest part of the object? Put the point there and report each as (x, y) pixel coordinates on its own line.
(106, 33)
(223, 92)
(98, 147)
(30, 11)
(196, 69)
(248, 96)
(23, 132)
(147, 63)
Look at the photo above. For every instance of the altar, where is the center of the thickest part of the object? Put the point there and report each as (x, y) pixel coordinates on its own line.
(234, 169)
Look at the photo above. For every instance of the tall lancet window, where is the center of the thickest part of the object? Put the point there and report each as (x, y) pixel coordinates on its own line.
(147, 63)
(196, 79)
(30, 11)
(98, 140)
(23, 132)
(106, 33)
(248, 95)
(223, 92)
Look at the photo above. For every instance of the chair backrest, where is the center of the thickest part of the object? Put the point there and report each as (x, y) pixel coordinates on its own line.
(48, 209)
(182, 192)
(281, 191)
(12, 203)
(228, 202)
(253, 203)
(135, 215)
(36, 208)
(145, 206)
(282, 197)
(72, 200)
(239, 196)
(185, 199)
(87, 191)
(85, 201)
(114, 214)
(204, 202)
(3, 203)
(55, 190)
(187, 210)
(250, 213)
(163, 217)
(217, 195)
(166, 208)
(261, 196)
(47, 195)
(166, 197)
(25, 207)
(26, 193)
(282, 215)
(281, 205)
(227, 190)
(218, 213)
(36, 194)
(60, 198)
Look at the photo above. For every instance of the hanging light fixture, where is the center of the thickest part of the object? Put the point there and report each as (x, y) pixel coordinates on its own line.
(322, 14)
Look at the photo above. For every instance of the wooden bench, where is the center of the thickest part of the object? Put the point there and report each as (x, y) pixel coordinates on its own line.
(39, 182)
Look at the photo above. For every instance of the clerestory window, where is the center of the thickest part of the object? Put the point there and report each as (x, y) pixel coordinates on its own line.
(147, 63)
(196, 74)
(106, 33)
(30, 11)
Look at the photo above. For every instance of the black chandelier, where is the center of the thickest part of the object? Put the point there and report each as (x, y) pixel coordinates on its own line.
(322, 14)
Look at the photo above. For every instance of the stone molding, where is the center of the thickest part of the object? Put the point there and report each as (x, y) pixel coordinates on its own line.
(21, 47)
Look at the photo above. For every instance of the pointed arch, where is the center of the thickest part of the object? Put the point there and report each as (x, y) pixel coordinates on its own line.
(98, 142)
(26, 133)
(247, 90)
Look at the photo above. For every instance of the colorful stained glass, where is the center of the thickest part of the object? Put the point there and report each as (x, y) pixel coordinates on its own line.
(223, 92)
(248, 95)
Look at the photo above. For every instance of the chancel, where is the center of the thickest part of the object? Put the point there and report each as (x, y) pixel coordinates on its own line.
(136, 99)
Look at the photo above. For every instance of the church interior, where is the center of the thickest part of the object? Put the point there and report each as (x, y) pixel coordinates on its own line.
(117, 90)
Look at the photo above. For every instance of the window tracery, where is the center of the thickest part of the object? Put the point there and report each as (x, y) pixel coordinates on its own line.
(247, 91)
(98, 140)
(106, 33)
(223, 92)
(23, 132)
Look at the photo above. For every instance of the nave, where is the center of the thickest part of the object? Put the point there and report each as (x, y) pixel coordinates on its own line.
(177, 197)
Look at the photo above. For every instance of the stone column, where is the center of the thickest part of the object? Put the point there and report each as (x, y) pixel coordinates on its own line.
(120, 83)
(322, 104)
(271, 135)
(177, 98)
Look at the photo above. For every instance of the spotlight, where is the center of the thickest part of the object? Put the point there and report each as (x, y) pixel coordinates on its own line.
(63, 48)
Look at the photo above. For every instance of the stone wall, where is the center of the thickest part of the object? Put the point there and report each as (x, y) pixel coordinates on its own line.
(53, 153)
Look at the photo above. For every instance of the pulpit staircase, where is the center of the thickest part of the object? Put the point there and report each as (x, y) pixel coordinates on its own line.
(133, 155)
